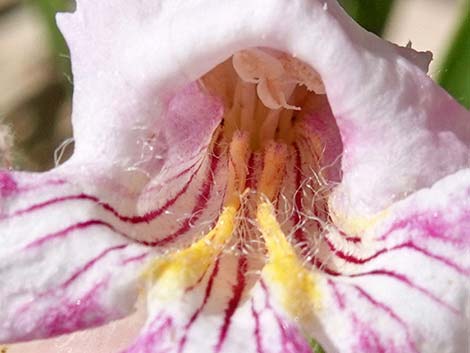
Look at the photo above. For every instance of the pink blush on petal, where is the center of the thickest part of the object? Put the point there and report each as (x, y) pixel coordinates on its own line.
(8, 185)
(110, 338)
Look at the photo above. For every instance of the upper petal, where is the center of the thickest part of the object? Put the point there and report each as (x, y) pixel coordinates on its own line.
(128, 110)
(400, 131)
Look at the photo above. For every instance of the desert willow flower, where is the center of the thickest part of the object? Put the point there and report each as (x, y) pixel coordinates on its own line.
(264, 172)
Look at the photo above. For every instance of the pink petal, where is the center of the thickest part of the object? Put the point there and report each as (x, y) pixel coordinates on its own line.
(125, 111)
(228, 311)
(411, 293)
(396, 124)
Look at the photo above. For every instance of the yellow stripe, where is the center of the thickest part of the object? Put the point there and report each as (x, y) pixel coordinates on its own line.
(170, 276)
(294, 283)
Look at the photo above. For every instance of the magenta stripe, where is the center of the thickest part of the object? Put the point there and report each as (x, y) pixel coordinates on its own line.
(250, 177)
(408, 245)
(201, 203)
(23, 188)
(257, 332)
(433, 225)
(352, 239)
(193, 318)
(299, 234)
(197, 283)
(136, 258)
(202, 200)
(339, 298)
(66, 231)
(68, 316)
(292, 340)
(232, 306)
(439, 258)
(391, 313)
(106, 206)
(405, 280)
(315, 261)
(151, 340)
(91, 263)
(10, 187)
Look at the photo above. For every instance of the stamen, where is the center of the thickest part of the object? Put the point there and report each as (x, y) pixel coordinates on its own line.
(274, 169)
(270, 124)
(276, 76)
(294, 283)
(266, 71)
(248, 105)
(232, 118)
(274, 93)
(252, 65)
(239, 154)
(286, 130)
(302, 73)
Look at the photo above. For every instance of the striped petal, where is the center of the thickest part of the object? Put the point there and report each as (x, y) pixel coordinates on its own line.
(405, 287)
(63, 265)
(228, 311)
(104, 217)
(380, 120)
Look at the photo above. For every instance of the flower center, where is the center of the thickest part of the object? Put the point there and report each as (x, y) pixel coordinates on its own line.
(268, 97)
(274, 156)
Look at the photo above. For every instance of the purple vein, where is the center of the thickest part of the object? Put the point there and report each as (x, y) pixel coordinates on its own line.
(91, 263)
(405, 280)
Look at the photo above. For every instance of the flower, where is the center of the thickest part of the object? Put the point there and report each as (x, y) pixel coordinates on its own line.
(263, 171)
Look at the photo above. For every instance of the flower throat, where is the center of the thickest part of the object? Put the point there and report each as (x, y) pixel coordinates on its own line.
(267, 95)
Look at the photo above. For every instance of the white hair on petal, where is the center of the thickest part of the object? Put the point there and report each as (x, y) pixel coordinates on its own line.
(60, 151)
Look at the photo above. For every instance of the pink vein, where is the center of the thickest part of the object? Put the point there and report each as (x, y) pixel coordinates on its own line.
(106, 206)
(432, 227)
(407, 245)
(237, 289)
(257, 333)
(299, 233)
(64, 232)
(91, 263)
(193, 318)
(200, 205)
(389, 312)
(405, 280)
(289, 339)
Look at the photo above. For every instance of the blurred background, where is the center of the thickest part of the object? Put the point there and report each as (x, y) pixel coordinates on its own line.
(36, 83)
